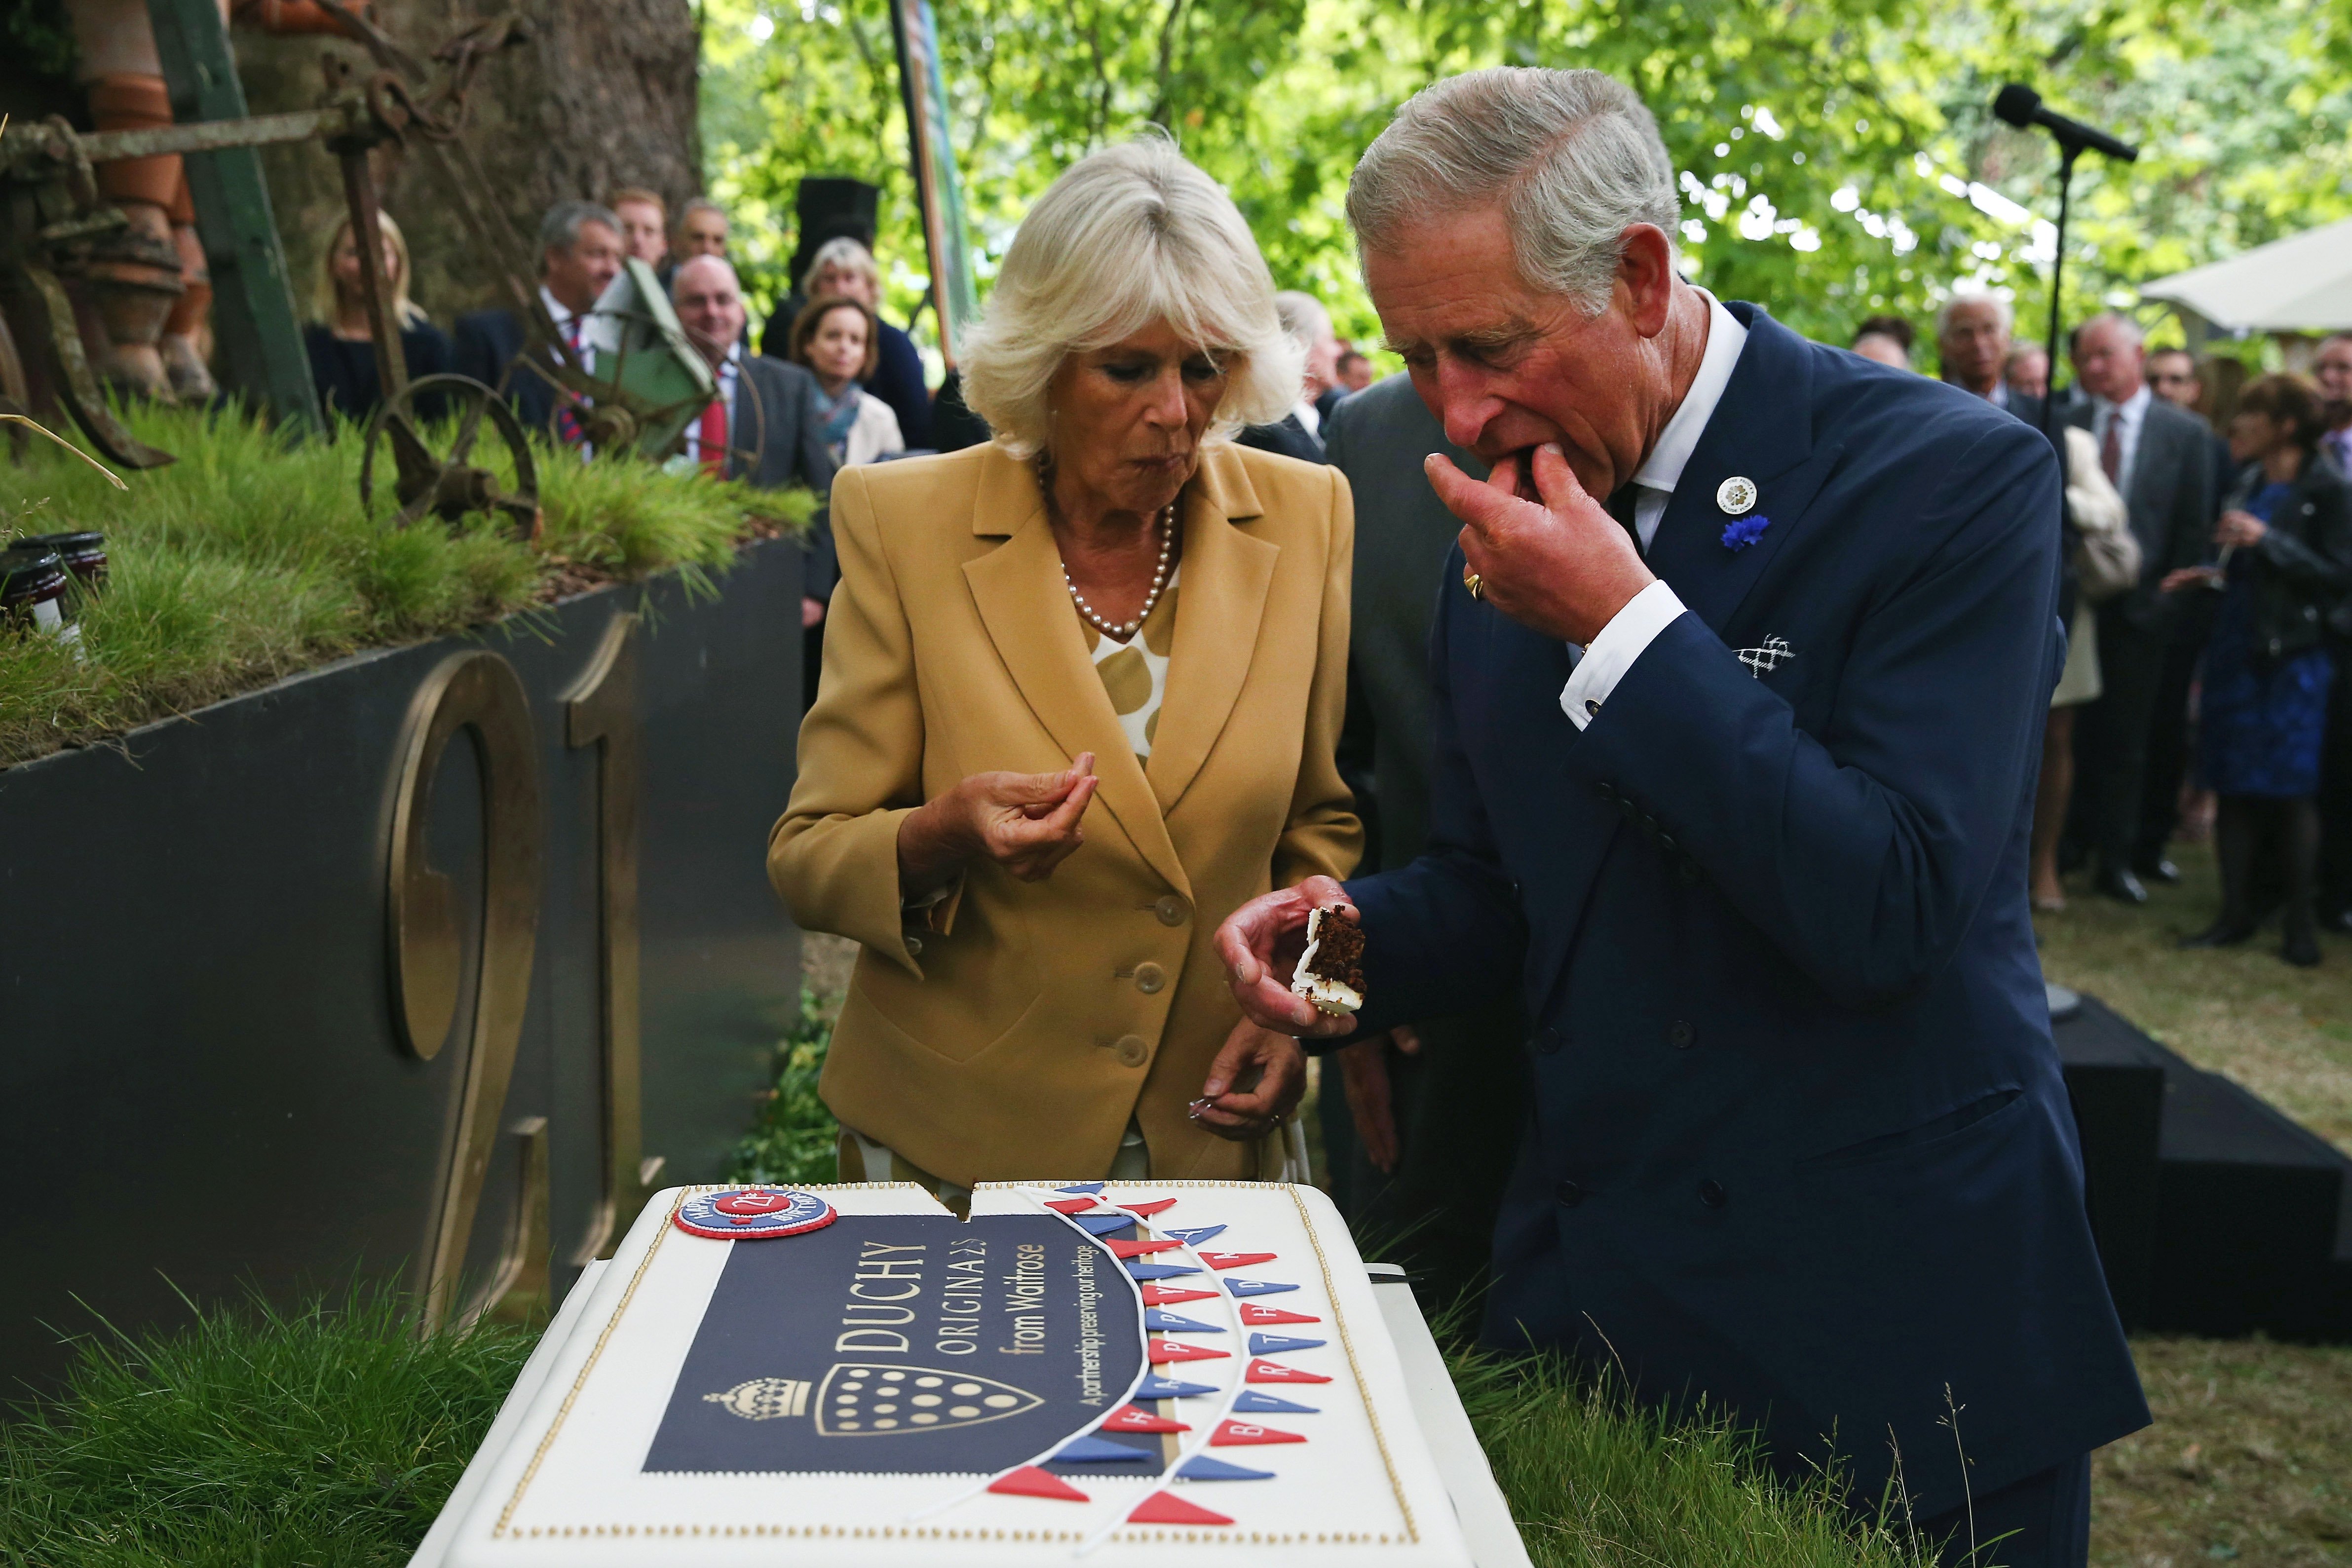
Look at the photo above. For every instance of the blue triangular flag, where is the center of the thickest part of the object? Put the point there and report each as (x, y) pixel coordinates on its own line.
(1104, 1224)
(1159, 1388)
(1281, 1344)
(1197, 1235)
(1101, 1451)
(1081, 1187)
(1253, 1402)
(1160, 1321)
(1251, 1286)
(1139, 1269)
(1200, 1468)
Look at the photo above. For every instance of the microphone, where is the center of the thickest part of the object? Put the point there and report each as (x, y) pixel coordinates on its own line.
(2021, 107)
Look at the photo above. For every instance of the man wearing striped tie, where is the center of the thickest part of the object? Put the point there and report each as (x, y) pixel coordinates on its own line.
(580, 254)
(770, 433)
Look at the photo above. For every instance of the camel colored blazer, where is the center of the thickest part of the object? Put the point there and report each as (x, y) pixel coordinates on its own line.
(1015, 1031)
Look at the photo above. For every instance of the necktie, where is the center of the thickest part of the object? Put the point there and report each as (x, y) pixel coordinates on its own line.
(1622, 504)
(712, 438)
(2111, 448)
(567, 421)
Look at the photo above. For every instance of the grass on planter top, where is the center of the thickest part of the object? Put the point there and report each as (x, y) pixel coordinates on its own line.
(322, 1438)
(251, 558)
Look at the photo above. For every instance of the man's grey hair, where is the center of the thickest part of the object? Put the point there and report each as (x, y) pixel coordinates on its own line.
(1303, 317)
(1959, 302)
(2133, 333)
(559, 229)
(1572, 156)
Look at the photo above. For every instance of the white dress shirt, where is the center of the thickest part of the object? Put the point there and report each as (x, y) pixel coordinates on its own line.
(2133, 412)
(1649, 612)
(1310, 416)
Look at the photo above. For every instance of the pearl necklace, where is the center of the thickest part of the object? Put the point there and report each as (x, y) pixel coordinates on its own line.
(1166, 522)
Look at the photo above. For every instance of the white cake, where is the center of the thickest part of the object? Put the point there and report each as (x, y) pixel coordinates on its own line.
(901, 1387)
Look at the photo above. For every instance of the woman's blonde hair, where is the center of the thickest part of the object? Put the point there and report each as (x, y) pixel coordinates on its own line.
(325, 303)
(1129, 236)
(842, 254)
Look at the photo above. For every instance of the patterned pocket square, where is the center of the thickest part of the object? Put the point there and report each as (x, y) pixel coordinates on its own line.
(1763, 661)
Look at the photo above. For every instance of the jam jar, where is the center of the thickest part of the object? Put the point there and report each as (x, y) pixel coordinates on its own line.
(33, 591)
(82, 554)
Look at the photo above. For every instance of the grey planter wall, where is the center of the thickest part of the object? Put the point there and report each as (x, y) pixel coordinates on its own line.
(202, 1081)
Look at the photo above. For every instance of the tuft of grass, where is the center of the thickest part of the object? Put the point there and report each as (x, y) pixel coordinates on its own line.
(794, 1138)
(1598, 1479)
(327, 1437)
(251, 558)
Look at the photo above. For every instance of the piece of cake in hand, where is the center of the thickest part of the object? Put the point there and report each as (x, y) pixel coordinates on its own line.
(1331, 971)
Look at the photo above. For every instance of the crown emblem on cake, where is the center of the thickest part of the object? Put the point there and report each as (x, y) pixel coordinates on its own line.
(763, 1398)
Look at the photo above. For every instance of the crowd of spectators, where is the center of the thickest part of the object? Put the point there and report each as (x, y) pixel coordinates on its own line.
(2204, 685)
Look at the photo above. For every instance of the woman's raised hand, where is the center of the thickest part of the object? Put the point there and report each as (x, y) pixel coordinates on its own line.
(1027, 823)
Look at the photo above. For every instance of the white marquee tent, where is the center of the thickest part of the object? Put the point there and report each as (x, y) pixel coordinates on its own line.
(2302, 284)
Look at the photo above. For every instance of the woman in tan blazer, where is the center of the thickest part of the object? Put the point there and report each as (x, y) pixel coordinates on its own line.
(1081, 688)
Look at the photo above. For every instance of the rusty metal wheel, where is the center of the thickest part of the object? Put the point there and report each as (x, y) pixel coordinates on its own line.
(454, 486)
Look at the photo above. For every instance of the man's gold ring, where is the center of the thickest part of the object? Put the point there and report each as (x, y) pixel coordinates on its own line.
(1473, 583)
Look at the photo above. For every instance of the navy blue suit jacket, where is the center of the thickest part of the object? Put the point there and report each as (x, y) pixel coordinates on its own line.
(1800, 1144)
(486, 346)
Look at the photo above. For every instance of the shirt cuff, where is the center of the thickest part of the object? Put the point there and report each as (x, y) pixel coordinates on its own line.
(1614, 651)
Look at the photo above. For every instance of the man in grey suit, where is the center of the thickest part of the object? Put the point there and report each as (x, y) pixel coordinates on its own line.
(776, 425)
(1432, 1104)
(2161, 459)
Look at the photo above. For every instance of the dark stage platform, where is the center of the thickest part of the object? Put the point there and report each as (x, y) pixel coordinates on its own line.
(2216, 1214)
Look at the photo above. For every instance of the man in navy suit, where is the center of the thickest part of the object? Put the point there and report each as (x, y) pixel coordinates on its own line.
(580, 253)
(1739, 674)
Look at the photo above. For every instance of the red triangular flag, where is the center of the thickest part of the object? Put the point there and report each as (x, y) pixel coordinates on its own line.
(1140, 1248)
(1070, 1205)
(1256, 1315)
(1135, 1418)
(1270, 1372)
(1031, 1481)
(1163, 1508)
(1163, 1350)
(1235, 1259)
(1169, 1296)
(1242, 1434)
(1162, 1207)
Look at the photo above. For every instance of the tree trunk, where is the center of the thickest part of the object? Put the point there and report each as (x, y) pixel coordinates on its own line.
(602, 95)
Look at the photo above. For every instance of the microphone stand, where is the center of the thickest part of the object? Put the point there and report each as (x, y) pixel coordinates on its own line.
(2068, 151)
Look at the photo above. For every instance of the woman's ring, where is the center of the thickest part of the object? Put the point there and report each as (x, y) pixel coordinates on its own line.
(1473, 583)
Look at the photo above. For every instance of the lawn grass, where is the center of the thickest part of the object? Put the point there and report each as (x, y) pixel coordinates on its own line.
(324, 1438)
(251, 558)
(2250, 1460)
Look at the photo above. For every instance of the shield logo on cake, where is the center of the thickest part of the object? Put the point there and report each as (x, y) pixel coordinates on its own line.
(862, 1401)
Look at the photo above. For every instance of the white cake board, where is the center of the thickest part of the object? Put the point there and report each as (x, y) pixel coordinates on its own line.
(1478, 1505)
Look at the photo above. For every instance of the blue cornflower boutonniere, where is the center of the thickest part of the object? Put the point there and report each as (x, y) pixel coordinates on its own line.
(1742, 531)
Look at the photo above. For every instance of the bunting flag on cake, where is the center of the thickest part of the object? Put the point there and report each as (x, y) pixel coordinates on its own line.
(1166, 1508)
(1246, 1287)
(1031, 1481)
(1256, 1316)
(1272, 1371)
(1165, 1350)
(1200, 1468)
(1162, 1323)
(1132, 1418)
(1250, 1401)
(1282, 1345)
(1223, 1260)
(1242, 1435)
(1174, 1295)
(1155, 1387)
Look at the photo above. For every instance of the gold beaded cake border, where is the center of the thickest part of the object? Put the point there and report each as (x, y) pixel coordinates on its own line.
(949, 1533)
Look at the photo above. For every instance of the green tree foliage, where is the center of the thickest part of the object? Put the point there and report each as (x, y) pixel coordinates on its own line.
(1837, 157)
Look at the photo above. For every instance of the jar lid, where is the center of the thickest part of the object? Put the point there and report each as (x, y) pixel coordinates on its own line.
(68, 544)
(27, 568)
